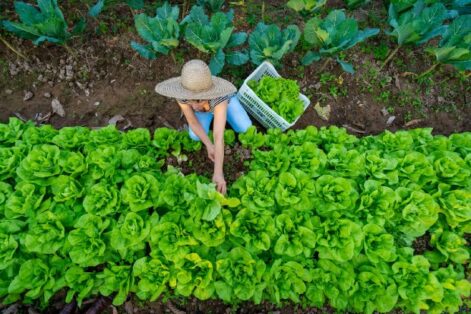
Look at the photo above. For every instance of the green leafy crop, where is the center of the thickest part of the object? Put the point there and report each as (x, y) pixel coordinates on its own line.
(45, 24)
(319, 218)
(455, 46)
(214, 36)
(332, 35)
(162, 32)
(268, 42)
(282, 95)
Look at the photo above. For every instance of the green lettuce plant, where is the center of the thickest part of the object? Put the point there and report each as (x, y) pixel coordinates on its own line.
(255, 231)
(71, 137)
(72, 163)
(24, 201)
(332, 35)
(9, 160)
(87, 243)
(256, 189)
(449, 246)
(376, 290)
(81, 284)
(419, 212)
(332, 281)
(282, 95)
(9, 243)
(151, 276)
(66, 189)
(294, 239)
(140, 192)
(415, 284)
(102, 199)
(38, 135)
(38, 279)
(251, 138)
(193, 275)
(46, 234)
(116, 278)
(287, 280)
(379, 245)
(455, 207)
(5, 192)
(335, 196)
(339, 239)
(240, 276)
(11, 132)
(455, 288)
(40, 165)
(268, 42)
(215, 36)
(129, 235)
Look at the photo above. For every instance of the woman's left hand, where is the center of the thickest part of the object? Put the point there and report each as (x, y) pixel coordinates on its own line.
(220, 183)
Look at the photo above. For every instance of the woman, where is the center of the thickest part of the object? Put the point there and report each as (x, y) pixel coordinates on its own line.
(201, 97)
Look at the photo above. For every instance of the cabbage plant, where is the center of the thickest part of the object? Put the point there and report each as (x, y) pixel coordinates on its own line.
(455, 46)
(417, 25)
(215, 36)
(98, 7)
(306, 7)
(212, 5)
(46, 24)
(332, 35)
(162, 32)
(269, 42)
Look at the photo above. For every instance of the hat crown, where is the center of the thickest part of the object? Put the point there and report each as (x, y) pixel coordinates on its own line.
(196, 76)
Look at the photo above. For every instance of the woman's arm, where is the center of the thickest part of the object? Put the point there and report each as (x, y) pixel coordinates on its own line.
(195, 125)
(220, 112)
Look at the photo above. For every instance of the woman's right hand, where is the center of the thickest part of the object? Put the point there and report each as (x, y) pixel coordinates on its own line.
(210, 149)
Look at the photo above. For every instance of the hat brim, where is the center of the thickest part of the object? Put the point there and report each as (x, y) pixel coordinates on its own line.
(173, 88)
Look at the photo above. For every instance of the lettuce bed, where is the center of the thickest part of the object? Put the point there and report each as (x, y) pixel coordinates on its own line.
(320, 217)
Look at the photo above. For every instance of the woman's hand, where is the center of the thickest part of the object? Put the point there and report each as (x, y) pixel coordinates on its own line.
(210, 149)
(220, 183)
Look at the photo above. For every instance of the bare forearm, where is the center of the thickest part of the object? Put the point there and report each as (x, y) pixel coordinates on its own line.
(219, 155)
(199, 131)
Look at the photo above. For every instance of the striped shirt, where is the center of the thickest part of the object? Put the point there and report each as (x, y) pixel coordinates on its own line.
(212, 102)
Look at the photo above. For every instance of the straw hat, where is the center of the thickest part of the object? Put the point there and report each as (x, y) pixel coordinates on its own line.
(196, 82)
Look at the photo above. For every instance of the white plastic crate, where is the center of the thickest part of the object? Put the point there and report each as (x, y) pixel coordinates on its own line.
(257, 107)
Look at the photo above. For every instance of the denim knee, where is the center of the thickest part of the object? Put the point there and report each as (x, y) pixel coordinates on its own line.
(193, 136)
(237, 117)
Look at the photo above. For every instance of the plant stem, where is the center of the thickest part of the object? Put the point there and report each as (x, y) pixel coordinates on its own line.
(326, 62)
(391, 55)
(429, 70)
(263, 11)
(6, 43)
(173, 57)
(70, 50)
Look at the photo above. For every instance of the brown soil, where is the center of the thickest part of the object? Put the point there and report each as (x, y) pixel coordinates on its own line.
(198, 162)
(108, 78)
(422, 244)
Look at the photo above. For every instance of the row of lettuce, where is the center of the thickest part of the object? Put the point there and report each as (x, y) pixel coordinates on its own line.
(411, 22)
(320, 217)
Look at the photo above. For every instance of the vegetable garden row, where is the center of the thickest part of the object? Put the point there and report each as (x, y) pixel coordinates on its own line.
(320, 217)
(325, 36)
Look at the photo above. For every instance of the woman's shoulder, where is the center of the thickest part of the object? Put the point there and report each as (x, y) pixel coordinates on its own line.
(219, 100)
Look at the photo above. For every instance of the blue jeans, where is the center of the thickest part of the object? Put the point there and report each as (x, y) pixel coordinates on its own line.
(237, 117)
